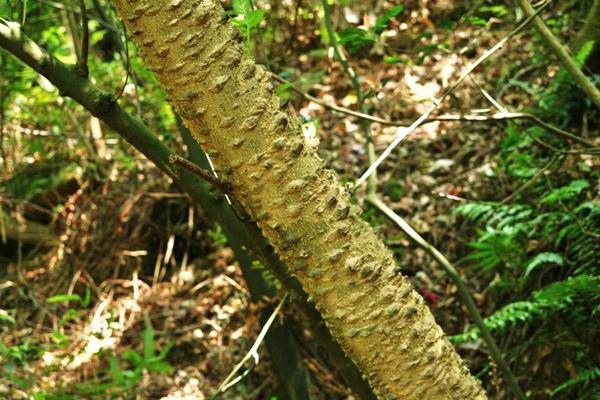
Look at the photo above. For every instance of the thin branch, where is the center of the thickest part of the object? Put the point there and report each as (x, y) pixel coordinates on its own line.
(2, 112)
(516, 116)
(85, 40)
(562, 53)
(463, 291)
(207, 176)
(372, 183)
(127, 67)
(251, 354)
(499, 116)
(529, 182)
(448, 92)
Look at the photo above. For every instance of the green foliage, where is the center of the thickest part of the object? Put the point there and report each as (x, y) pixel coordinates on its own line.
(543, 258)
(246, 18)
(123, 380)
(502, 319)
(558, 297)
(65, 298)
(41, 177)
(567, 192)
(356, 38)
(12, 358)
(562, 102)
(384, 20)
(218, 236)
(569, 237)
(583, 378)
(267, 275)
(543, 253)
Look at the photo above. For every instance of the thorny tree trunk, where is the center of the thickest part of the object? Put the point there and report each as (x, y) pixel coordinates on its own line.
(228, 103)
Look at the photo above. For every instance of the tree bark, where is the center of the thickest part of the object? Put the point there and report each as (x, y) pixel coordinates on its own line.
(227, 102)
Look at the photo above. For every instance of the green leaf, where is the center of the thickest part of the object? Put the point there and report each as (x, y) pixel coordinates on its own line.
(63, 298)
(284, 91)
(478, 21)
(70, 315)
(115, 368)
(499, 10)
(355, 38)
(254, 18)
(242, 7)
(392, 59)
(543, 258)
(382, 22)
(133, 357)
(563, 292)
(161, 367)
(567, 192)
(149, 344)
(583, 378)
(87, 299)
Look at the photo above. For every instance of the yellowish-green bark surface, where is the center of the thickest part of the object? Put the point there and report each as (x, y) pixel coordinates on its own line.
(228, 103)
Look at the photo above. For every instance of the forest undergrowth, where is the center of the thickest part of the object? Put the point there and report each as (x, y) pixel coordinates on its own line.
(113, 284)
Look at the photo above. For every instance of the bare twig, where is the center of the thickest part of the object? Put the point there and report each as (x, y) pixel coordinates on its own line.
(562, 53)
(252, 353)
(499, 116)
(207, 176)
(448, 92)
(529, 182)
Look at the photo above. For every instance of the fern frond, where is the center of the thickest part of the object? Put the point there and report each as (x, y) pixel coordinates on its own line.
(583, 378)
(543, 258)
(507, 316)
(567, 192)
(544, 304)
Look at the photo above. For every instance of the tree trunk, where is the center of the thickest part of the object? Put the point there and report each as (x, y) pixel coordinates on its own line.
(227, 102)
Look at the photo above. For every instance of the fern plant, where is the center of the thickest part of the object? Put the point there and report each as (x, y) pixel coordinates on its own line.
(545, 254)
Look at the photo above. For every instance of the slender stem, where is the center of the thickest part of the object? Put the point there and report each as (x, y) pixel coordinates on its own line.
(529, 182)
(499, 116)
(562, 53)
(339, 54)
(215, 182)
(463, 291)
(85, 40)
(436, 102)
(252, 353)
(2, 112)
